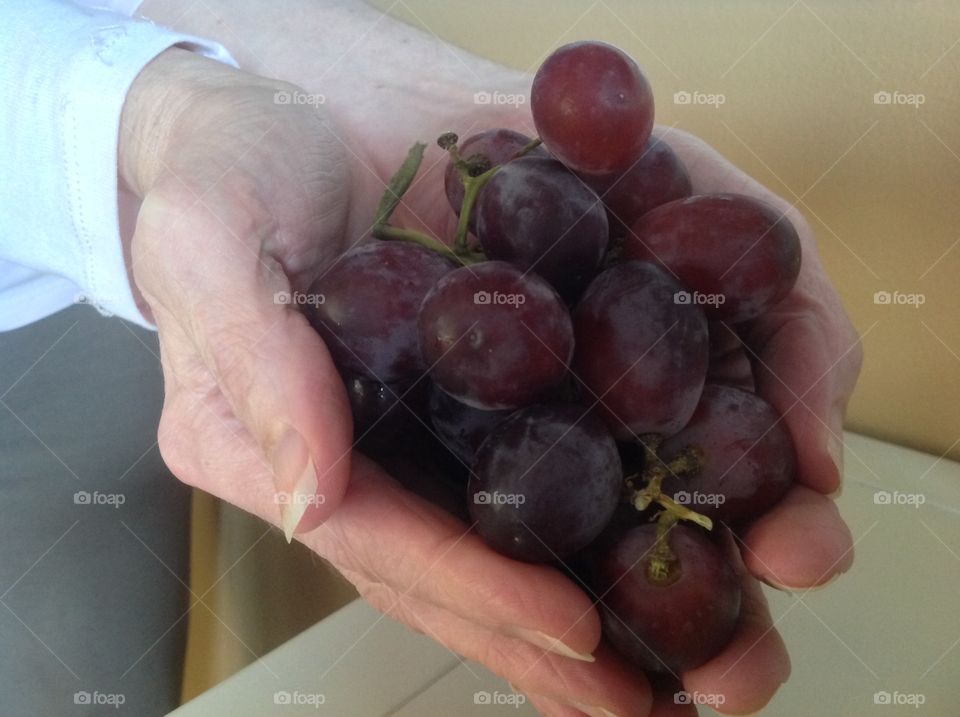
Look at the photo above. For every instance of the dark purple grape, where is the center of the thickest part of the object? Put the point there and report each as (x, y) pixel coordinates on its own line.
(642, 354)
(592, 107)
(539, 216)
(738, 256)
(749, 460)
(656, 178)
(669, 620)
(368, 313)
(494, 337)
(483, 151)
(729, 361)
(545, 482)
(462, 428)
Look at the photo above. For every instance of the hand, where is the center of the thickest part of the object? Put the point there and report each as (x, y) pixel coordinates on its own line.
(456, 591)
(244, 198)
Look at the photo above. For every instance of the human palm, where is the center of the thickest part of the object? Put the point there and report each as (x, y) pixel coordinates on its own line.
(244, 199)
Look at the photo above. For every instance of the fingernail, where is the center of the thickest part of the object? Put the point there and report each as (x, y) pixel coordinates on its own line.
(552, 644)
(789, 590)
(592, 711)
(292, 466)
(835, 449)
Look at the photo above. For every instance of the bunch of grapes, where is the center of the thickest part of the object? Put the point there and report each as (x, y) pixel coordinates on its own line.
(546, 369)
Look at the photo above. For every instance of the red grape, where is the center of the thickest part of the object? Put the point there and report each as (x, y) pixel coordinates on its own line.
(368, 316)
(462, 428)
(672, 621)
(592, 107)
(545, 482)
(539, 216)
(656, 178)
(740, 255)
(748, 456)
(641, 354)
(494, 337)
(485, 150)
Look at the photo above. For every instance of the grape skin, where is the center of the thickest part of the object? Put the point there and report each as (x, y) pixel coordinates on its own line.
(539, 216)
(371, 299)
(656, 178)
(505, 352)
(462, 428)
(748, 455)
(492, 147)
(564, 464)
(641, 354)
(726, 245)
(592, 107)
(670, 627)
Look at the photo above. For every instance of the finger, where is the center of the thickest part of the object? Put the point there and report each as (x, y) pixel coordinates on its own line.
(269, 364)
(801, 543)
(551, 708)
(600, 689)
(419, 549)
(750, 669)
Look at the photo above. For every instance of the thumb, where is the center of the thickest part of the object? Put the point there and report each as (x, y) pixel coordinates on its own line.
(281, 382)
(269, 364)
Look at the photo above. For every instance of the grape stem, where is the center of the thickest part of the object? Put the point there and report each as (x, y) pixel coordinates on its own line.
(689, 461)
(661, 562)
(472, 183)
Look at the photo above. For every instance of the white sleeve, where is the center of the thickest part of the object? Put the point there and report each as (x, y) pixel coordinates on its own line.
(64, 74)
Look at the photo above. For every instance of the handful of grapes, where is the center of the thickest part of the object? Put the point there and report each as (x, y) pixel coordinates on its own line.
(547, 369)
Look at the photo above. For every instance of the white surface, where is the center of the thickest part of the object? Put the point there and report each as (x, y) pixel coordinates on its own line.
(892, 624)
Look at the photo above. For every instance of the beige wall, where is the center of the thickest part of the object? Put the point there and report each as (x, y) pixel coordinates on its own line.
(880, 184)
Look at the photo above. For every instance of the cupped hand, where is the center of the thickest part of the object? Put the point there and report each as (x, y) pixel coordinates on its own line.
(246, 199)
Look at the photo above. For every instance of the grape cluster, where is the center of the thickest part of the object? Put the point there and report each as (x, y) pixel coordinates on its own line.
(550, 363)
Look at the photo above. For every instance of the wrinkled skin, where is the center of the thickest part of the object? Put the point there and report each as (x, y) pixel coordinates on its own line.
(243, 197)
